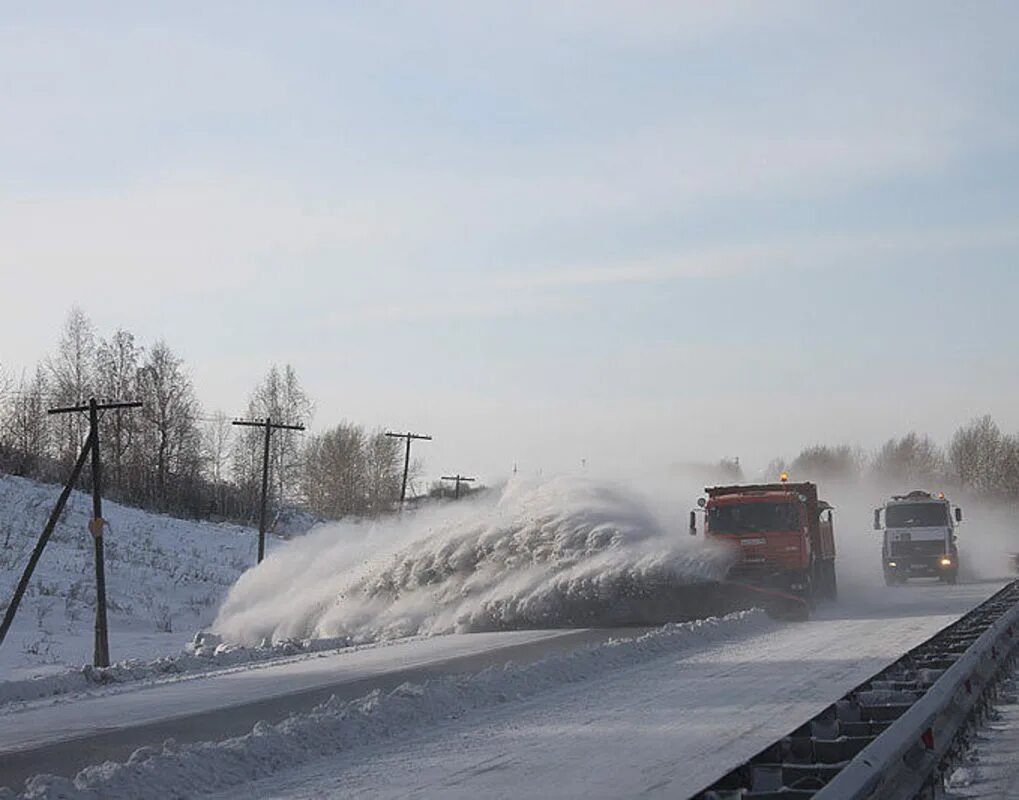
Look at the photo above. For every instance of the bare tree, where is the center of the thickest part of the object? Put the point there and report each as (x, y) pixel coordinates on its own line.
(913, 460)
(170, 412)
(1008, 468)
(116, 378)
(382, 463)
(72, 379)
(6, 384)
(348, 472)
(827, 462)
(974, 455)
(25, 430)
(280, 396)
(217, 442)
(6, 410)
(334, 472)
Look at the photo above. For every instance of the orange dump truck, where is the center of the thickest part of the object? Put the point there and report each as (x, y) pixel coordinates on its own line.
(781, 533)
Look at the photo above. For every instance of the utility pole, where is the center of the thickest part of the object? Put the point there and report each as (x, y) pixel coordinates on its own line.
(406, 458)
(269, 426)
(101, 651)
(58, 509)
(459, 479)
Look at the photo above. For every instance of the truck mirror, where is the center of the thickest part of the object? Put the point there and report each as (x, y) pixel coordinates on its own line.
(958, 514)
(877, 519)
(693, 523)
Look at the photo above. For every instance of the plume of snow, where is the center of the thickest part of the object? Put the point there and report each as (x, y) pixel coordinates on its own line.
(567, 551)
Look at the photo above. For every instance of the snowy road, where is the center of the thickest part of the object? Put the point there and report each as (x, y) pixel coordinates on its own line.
(664, 728)
(666, 722)
(63, 736)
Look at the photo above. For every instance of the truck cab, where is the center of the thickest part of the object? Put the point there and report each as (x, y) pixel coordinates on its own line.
(781, 534)
(918, 537)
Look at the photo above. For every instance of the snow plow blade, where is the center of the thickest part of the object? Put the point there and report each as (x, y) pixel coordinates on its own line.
(777, 604)
(658, 603)
(717, 598)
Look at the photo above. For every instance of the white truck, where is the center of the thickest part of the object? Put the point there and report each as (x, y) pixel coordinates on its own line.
(919, 537)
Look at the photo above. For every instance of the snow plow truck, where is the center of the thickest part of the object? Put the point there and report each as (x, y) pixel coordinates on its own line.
(783, 543)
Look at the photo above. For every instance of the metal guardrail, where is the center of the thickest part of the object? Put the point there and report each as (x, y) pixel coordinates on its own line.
(893, 735)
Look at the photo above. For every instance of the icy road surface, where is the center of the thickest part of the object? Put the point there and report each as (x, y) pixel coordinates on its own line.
(63, 735)
(665, 728)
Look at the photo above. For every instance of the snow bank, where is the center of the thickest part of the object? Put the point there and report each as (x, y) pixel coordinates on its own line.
(165, 579)
(567, 551)
(181, 771)
(205, 654)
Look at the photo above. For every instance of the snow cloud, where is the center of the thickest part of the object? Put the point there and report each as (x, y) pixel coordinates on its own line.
(564, 552)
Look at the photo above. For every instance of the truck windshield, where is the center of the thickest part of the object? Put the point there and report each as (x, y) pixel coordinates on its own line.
(754, 518)
(917, 515)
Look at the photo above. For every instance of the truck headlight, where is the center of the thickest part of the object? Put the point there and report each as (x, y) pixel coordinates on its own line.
(892, 564)
(946, 562)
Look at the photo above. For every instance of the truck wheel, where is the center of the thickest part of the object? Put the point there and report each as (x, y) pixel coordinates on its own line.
(810, 579)
(816, 584)
(826, 575)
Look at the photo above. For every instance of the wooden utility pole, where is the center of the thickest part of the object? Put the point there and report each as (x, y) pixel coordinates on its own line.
(58, 509)
(101, 652)
(459, 479)
(406, 458)
(269, 427)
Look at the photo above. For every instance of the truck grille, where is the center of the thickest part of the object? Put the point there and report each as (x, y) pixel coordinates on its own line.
(921, 548)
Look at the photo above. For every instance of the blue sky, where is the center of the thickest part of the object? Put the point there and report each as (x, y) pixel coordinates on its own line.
(625, 232)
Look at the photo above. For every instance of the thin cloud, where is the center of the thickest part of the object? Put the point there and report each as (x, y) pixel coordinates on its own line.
(840, 251)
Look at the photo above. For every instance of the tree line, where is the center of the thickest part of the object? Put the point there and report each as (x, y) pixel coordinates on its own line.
(172, 455)
(979, 458)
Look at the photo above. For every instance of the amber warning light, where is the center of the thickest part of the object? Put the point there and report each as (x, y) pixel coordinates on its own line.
(784, 477)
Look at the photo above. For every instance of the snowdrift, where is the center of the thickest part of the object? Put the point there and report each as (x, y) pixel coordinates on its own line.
(165, 578)
(565, 552)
